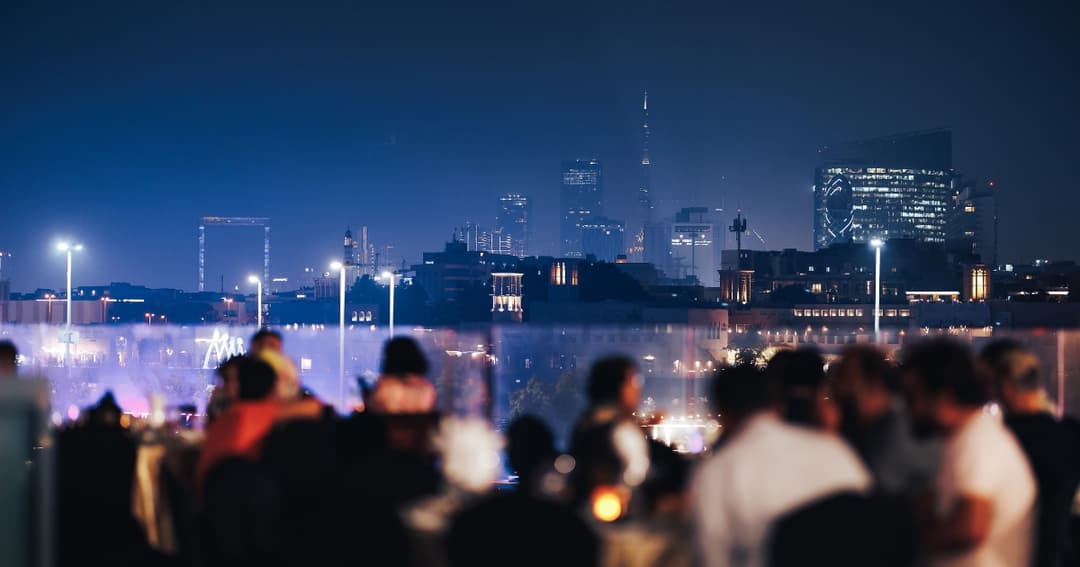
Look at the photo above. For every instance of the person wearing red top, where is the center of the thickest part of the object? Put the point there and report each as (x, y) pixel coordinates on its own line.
(239, 431)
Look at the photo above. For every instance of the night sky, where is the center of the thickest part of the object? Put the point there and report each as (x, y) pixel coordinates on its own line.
(122, 123)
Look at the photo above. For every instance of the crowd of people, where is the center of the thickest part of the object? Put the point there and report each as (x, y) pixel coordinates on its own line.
(940, 457)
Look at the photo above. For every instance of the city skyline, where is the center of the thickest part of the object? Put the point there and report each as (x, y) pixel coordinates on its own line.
(125, 129)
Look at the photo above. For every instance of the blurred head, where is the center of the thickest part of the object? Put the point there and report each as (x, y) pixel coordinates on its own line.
(255, 379)
(8, 353)
(287, 378)
(863, 384)
(530, 447)
(739, 392)
(1012, 371)
(266, 339)
(402, 357)
(801, 376)
(227, 372)
(615, 381)
(941, 385)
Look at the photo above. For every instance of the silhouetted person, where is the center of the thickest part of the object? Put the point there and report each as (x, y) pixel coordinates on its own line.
(764, 469)
(1052, 445)
(96, 472)
(803, 391)
(847, 529)
(614, 392)
(983, 496)
(240, 431)
(522, 528)
(266, 339)
(875, 420)
(8, 355)
(531, 451)
(226, 390)
(402, 386)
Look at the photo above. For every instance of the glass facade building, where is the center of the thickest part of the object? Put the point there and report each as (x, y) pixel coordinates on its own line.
(894, 187)
(512, 224)
(580, 197)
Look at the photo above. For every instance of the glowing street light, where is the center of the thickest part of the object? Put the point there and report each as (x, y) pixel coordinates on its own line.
(255, 280)
(877, 243)
(390, 276)
(69, 248)
(340, 267)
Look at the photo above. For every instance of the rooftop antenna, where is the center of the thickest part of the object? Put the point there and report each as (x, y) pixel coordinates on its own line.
(738, 226)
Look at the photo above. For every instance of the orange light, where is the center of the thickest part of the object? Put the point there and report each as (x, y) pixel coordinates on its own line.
(606, 505)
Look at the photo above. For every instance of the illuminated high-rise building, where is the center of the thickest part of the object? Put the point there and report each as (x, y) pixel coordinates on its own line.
(892, 187)
(580, 197)
(512, 224)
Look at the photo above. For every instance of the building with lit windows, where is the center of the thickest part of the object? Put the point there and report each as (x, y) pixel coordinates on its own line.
(506, 302)
(512, 224)
(445, 275)
(976, 283)
(603, 238)
(893, 187)
(580, 197)
(692, 251)
(973, 221)
(684, 246)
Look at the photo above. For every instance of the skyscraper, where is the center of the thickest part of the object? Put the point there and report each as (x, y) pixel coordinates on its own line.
(512, 224)
(973, 222)
(579, 198)
(644, 196)
(891, 187)
(602, 237)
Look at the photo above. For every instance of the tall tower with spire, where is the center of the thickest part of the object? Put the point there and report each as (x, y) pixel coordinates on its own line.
(644, 198)
(645, 203)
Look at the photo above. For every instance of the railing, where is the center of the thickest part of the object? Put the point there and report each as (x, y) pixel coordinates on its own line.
(496, 371)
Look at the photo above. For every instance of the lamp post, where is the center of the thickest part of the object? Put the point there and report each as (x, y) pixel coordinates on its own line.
(149, 319)
(340, 267)
(69, 248)
(877, 243)
(258, 282)
(390, 276)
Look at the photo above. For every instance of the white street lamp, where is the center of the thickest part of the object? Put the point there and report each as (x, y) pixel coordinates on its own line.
(340, 267)
(390, 276)
(69, 248)
(255, 280)
(877, 243)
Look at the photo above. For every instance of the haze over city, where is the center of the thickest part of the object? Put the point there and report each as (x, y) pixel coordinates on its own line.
(124, 122)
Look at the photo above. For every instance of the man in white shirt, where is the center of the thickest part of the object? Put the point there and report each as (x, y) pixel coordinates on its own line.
(763, 470)
(982, 505)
